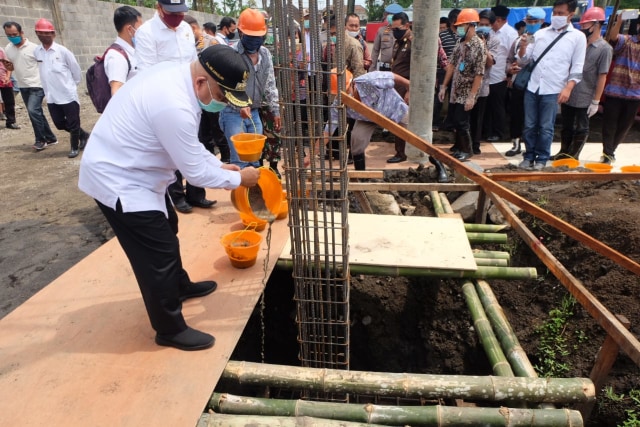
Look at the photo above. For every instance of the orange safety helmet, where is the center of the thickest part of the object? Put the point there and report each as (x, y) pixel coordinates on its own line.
(252, 23)
(467, 16)
(592, 14)
(45, 26)
(334, 80)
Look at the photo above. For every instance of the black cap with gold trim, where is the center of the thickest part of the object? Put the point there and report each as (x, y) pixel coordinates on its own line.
(227, 68)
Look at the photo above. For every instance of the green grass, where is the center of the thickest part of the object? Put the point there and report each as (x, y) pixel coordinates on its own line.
(553, 350)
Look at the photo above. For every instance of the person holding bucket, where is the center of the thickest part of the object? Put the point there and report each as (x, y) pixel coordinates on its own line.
(136, 146)
(261, 85)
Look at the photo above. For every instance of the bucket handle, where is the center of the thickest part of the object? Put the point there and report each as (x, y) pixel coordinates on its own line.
(247, 228)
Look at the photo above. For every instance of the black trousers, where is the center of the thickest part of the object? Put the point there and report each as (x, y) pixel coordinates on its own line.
(437, 105)
(9, 101)
(150, 241)
(459, 118)
(617, 119)
(476, 119)
(178, 191)
(494, 118)
(65, 116)
(210, 134)
(575, 122)
(516, 113)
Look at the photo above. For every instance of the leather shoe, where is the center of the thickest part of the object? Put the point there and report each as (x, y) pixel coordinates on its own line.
(13, 126)
(73, 153)
(197, 289)
(493, 138)
(183, 206)
(202, 203)
(188, 340)
(397, 159)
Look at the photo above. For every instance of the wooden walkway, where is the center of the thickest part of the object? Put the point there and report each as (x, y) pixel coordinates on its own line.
(81, 352)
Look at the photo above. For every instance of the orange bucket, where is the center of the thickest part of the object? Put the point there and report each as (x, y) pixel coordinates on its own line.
(242, 247)
(284, 207)
(599, 167)
(249, 146)
(570, 163)
(261, 202)
(630, 169)
(252, 223)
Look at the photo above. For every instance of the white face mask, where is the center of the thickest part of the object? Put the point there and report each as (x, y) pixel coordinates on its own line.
(558, 22)
(353, 33)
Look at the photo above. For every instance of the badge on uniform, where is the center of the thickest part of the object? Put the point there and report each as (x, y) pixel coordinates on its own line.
(461, 67)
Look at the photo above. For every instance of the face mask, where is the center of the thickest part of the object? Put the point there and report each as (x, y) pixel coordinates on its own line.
(587, 32)
(558, 22)
(230, 36)
(172, 20)
(214, 106)
(462, 32)
(252, 43)
(389, 19)
(15, 40)
(353, 33)
(306, 24)
(133, 41)
(333, 39)
(532, 28)
(399, 33)
(483, 31)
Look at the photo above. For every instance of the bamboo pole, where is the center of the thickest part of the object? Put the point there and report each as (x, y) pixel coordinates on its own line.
(486, 237)
(481, 272)
(427, 416)
(427, 386)
(484, 228)
(218, 420)
(491, 254)
(437, 202)
(561, 176)
(445, 204)
(491, 262)
(516, 355)
(625, 339)
(481, 324)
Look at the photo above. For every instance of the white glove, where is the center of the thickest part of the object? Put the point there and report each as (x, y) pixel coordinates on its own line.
(592, 110)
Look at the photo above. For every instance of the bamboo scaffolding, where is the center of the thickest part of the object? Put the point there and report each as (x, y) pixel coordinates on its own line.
(516, 355)
(445, 204)
(491, 262)
(561, 176)
(473, 237)
(491, 254)
(490, 343)
(218, 420)
(482, 272)
(427, 416)
(485, 388)
(484, 228)
(437, 202)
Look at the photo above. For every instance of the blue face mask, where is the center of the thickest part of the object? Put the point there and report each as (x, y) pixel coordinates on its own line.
(15, 39)
(252, 43)
(333, 39)
(462, 32)
(306, 24)
(483, 31)
(214, 106)
(389, 19)
(532, 28)
(133, 41)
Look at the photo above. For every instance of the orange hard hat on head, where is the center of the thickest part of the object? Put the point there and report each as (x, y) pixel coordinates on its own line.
(252, 23)
(467, 16)
(334, 80)
(593, 14)
(44, 26)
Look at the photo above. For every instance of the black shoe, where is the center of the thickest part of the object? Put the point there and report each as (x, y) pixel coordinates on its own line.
(84, 137)
(197, 289)
(476, 150)
(561, 156)
(463, 157)
(202, 203)
(188, 340)
(493, 138)
(73, 153)
(183, 206)
(13, 126)
(40, 145)
(397, 159)
(49, 143)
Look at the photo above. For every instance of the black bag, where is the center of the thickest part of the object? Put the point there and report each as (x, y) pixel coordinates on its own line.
(97, 81)
(521, 81)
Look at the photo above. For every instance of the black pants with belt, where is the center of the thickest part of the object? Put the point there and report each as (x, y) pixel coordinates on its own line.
(494, 118)
(618, 117)
(150, 241)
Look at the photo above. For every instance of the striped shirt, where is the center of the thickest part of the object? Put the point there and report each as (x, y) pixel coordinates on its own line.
(449, 40)
(625, 76)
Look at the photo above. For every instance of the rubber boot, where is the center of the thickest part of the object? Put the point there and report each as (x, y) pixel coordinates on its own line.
(576, 145)
(465, 152)
(84, 137)
(516, 149)
(359, 162)
(443, 176)
(565, 143)
(75, 144)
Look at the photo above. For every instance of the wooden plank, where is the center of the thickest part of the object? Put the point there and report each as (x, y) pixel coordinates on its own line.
(627, 341)
(561, 176)
(437, 243)
(411, 186)
(365, 206)
(81, 351)
(482, 208)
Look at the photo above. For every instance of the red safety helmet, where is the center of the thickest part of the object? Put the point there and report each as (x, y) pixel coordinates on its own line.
(44, 26)
(593, 14)
(252, 23)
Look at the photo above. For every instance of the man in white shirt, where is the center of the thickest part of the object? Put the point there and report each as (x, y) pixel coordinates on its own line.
(226, 31)
(552, 80)
(135, 147)
(60, 75)
(495, 117)
(25, 70)
(118, 67)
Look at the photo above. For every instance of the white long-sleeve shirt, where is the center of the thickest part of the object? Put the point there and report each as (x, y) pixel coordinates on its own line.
(59, 73)
(562, 63)
(148, 130)
(505, 37)
(116, 66)
(156, 43)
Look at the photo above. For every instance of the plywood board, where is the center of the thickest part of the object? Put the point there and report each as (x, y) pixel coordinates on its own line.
(406, 241)
(81, 352)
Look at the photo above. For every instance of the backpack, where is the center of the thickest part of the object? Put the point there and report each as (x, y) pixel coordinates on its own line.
(98, 82)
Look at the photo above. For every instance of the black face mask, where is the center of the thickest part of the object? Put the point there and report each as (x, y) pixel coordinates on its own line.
(399, 33)
(252, 43)
(587, 32)
(230, 36)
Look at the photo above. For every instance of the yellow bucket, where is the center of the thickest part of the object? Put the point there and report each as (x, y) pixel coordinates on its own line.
(242, 247)
(249, 146)
(630, 169)
(261, 202)
(599, 167)
(570, 163)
